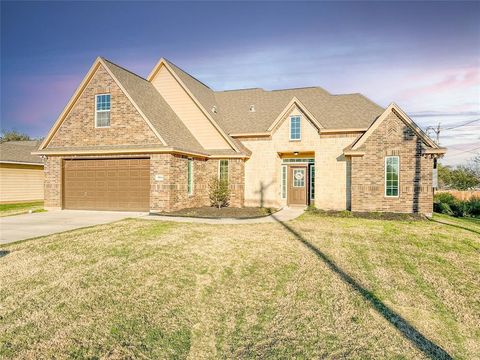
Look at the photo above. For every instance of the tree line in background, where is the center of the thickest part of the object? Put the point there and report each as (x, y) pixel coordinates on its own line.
(13, 135)
(463, 177)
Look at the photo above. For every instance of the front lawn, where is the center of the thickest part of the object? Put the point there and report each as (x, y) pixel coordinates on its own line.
(20, 208)
(317, 287)
(467, 223)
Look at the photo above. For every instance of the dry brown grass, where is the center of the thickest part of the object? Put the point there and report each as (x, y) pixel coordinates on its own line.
(150, 289)
(463, 195)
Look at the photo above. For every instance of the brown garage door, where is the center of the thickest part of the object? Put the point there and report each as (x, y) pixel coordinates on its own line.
(107, 184)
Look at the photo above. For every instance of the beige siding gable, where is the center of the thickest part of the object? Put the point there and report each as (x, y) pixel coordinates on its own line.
(309, 133)
(188, 111)
(127, 125)
(262, 169)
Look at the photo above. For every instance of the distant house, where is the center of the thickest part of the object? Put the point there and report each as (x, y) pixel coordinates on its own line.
(21, 173)
(128, 143)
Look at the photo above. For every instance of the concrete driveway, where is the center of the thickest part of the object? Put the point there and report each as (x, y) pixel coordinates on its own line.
(25, 226)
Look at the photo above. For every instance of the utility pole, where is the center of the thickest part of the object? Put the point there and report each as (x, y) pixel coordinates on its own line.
(436, 131)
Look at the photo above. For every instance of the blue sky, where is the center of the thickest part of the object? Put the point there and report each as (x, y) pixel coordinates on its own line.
(424, 56)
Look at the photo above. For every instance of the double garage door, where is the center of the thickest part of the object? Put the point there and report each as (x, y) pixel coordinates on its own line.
(107, 184)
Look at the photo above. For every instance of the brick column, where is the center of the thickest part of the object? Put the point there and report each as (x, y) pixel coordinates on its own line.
(160, 166)
(237, 182)
(53, 183)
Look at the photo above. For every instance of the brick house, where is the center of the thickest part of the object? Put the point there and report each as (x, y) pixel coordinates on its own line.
(128, 143)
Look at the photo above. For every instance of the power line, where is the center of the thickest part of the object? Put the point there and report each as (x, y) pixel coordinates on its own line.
(437, 129)
(461, 152)
(461, 125)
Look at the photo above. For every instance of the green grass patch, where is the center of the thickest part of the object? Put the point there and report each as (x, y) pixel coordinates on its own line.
(320, 287)
(21, 208)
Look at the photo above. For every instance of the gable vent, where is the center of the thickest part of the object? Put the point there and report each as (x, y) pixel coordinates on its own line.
(252, 108)
(214, 109)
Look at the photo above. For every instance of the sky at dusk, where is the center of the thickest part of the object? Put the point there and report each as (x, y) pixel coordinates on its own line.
(423, 56)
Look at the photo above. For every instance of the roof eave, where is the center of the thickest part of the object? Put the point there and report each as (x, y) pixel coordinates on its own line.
(169, 150)
(21, 162)
(353, 153)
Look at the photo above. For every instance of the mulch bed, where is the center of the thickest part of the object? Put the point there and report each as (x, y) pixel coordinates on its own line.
(368, 215)
(226, 212)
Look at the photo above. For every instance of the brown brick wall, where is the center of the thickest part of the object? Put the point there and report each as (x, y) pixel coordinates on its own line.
(392, 137)
(171, 193)
(127, 127)
(53, 183)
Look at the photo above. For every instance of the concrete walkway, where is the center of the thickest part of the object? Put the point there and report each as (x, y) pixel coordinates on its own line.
(26, 226)
(285, 214)
(21, 227)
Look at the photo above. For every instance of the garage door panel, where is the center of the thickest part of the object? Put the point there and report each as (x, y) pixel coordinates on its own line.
(107, 184)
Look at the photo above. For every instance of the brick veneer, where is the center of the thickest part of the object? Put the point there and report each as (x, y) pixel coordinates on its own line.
(53, 183)
(392, 137)
(127, 127)
(170, 193)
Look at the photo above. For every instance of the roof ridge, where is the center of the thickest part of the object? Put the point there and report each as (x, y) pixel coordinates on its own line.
(346, 94)
(193, 77)
(243, 89)
(121, 67)
(301, 87)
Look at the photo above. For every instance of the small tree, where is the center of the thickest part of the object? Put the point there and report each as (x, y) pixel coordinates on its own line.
(219, 193)
(13, 135)
(475, 165)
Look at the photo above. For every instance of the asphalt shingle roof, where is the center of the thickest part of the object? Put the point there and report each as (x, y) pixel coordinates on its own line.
(156, 109)
(233, 115)
(233, 106)
(20, 152)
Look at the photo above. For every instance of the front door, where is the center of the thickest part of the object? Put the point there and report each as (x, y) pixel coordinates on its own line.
(297, 185)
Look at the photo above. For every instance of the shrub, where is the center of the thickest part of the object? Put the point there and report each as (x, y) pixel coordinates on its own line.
(459, 208)
(446, 203)
(473, 206)
(442, 208)
(219, 193)
(445, 198)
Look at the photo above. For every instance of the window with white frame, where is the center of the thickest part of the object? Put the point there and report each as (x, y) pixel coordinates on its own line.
(392, 169)
(102, 110)
(284, 182)
(190, 177)
(223, 170)
(295, 128)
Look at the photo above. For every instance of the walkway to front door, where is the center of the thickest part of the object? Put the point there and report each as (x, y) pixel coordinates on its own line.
(297, 184)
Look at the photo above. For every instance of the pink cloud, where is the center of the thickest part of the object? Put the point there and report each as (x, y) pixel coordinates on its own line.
(453, 80)
(32, 109)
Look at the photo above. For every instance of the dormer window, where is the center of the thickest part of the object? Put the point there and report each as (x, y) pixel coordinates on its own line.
(102, 110)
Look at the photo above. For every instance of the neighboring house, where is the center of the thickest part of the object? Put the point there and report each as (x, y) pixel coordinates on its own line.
(128, 143)
(21, 173)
